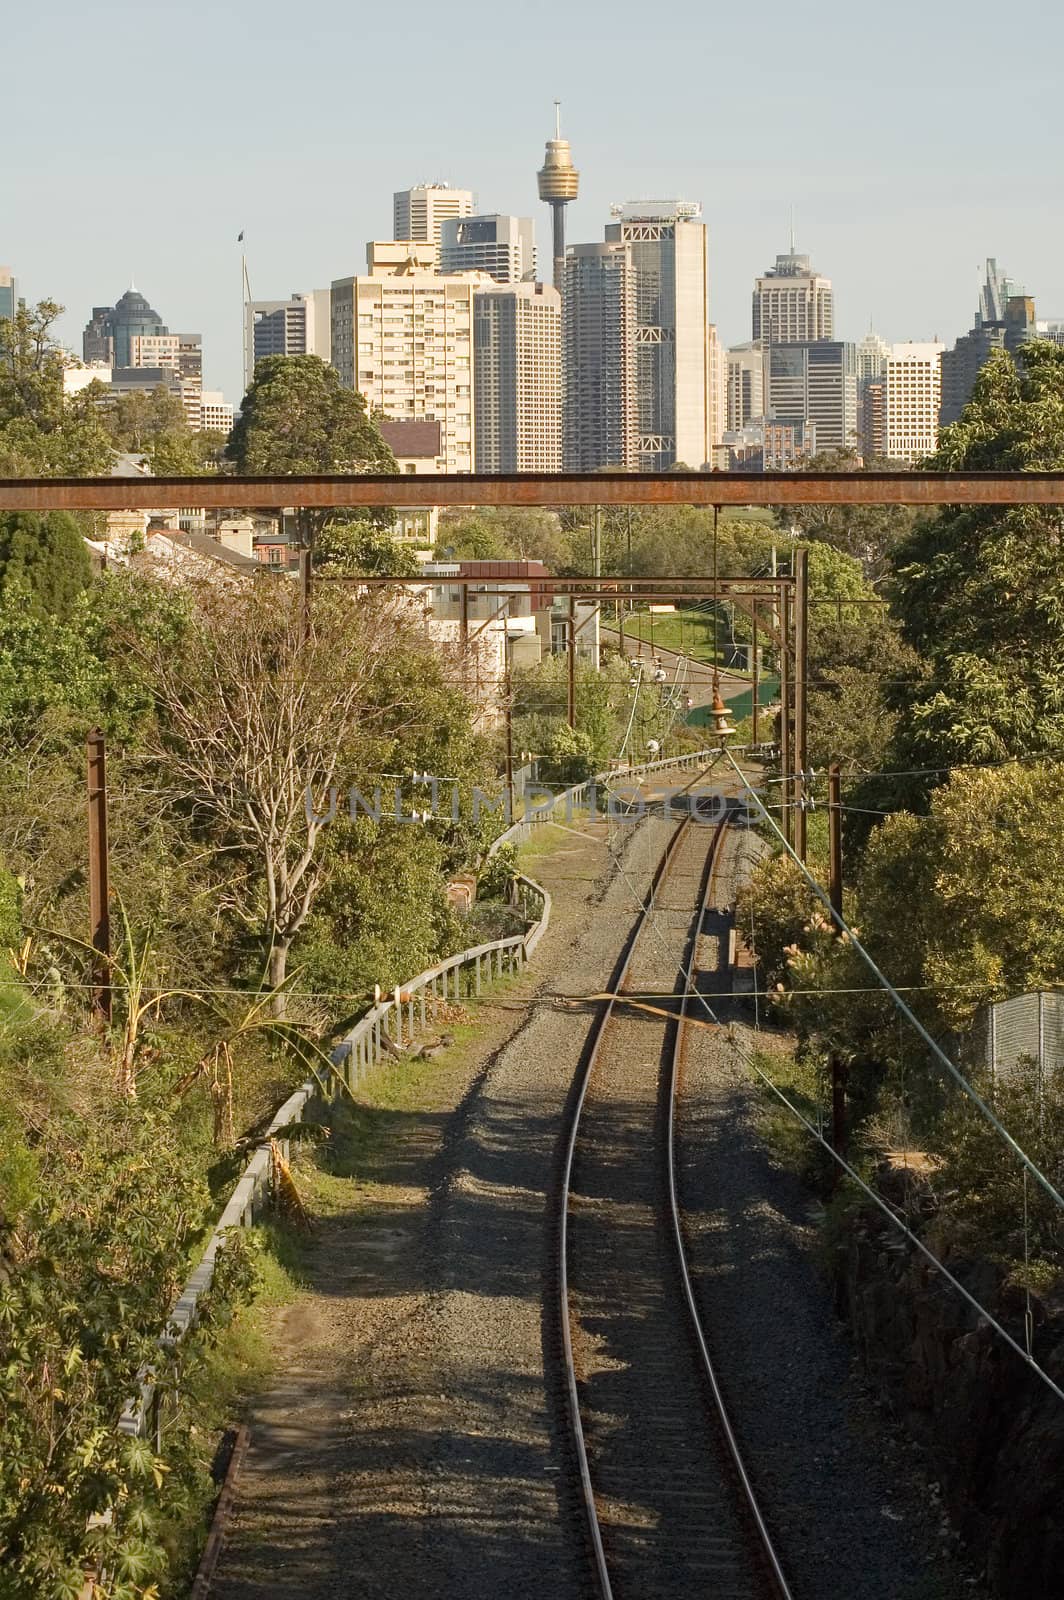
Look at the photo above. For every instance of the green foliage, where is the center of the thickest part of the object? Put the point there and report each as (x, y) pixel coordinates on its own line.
(858, 669)
(44, 564)
(155, 426)
(567, 757)
(362, 547)
(89, 1269)
(497, 876)
(42, 433)
(297, 417)
(867, 534)
(980, 589)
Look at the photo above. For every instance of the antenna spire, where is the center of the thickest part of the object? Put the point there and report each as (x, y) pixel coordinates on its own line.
(792, 230)
(557, 119)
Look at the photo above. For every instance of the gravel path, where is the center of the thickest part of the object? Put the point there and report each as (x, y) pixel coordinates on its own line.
(845, 1503)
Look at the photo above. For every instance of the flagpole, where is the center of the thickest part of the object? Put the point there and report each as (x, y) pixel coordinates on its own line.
(243, 312)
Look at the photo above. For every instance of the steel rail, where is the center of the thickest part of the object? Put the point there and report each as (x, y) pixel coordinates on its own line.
(676, 1221)
(598, 1033)
(352, 490)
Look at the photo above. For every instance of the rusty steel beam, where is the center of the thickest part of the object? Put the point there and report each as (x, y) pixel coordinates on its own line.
(528, 489)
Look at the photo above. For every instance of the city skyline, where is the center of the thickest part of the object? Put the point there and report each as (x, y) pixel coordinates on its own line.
(930, 198)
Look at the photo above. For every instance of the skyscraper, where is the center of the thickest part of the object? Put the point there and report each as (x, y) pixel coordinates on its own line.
(1005, 320)
(666, 242)
(600, 416)
(8, 293)
(402, 335)
(814, 383)
(559, 183)
(792, 303)
(419, 213)
(502, 246)
(109, 333)
(298, 326)
(517, 378)
(912, 399)
(745, 385)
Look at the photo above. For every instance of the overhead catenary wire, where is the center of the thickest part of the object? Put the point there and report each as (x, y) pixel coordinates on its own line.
(687, 973)
(936, 1049)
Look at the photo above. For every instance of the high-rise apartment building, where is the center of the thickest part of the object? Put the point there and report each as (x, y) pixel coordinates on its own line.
(745, 385)
(814, 383)
(872, 356)
(912, 400)
(505, 247)
(1005, 320)
(792, 303)
(517, 378)
(718, 389)
(403, 337)
(298, 326)
(8, 293)
(666, 242)
(420, 213)
(600, 413)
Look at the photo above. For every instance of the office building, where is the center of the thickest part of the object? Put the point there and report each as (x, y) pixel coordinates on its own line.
(420, 213)
(110, 331)
(298, 326)
(8, 293)
(517, 378)
(666, 242)
(745, 385)
(1005, 320)
(502, 246)
(912, 400)
(814, 384)
(872, 417)
(792, 303)
(214, 414)
(600, 413)
(718, 388)
(872, 356)
(403, 337)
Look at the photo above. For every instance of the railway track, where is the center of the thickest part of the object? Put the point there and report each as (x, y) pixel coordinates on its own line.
(668, 1503)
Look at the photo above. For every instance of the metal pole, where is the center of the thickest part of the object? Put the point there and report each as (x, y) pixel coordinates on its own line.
(572, 662)
(785, 713)
(801, 664)
(305, 581)
(465, 616)
(757, 680)
(838, 1109)
(509, 746)
(835, 837)
(99, 899)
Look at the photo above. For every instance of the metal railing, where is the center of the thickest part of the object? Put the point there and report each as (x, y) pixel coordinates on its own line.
(385, 1029)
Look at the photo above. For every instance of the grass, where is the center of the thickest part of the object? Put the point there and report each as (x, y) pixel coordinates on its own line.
(687, 630)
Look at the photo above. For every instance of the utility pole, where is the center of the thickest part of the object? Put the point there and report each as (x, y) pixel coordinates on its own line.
(99, 898)
(801, 662)
(835, 839)
(509, 743)
(305, 582)
(785, 713)
(572, 662)
(838, 1070)
(755, 708)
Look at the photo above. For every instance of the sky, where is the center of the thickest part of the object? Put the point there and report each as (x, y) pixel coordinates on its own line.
(912, 142)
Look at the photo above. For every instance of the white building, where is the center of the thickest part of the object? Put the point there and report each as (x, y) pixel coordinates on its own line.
(745, 385)
(420, 213)
(718, 387)
(403, 337)
(214, 413)
(517, 378)
(912, 399)
(873, 353)
(792, 303)
(77, 375)
(155, 350)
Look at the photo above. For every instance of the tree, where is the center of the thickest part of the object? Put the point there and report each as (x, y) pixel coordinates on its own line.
(867, 533)
(256, 715)
(361, 547)
(980, 589)
(42, 433)
(43, 561)
(297, 419)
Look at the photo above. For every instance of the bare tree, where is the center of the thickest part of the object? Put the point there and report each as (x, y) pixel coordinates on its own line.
(255, 715)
